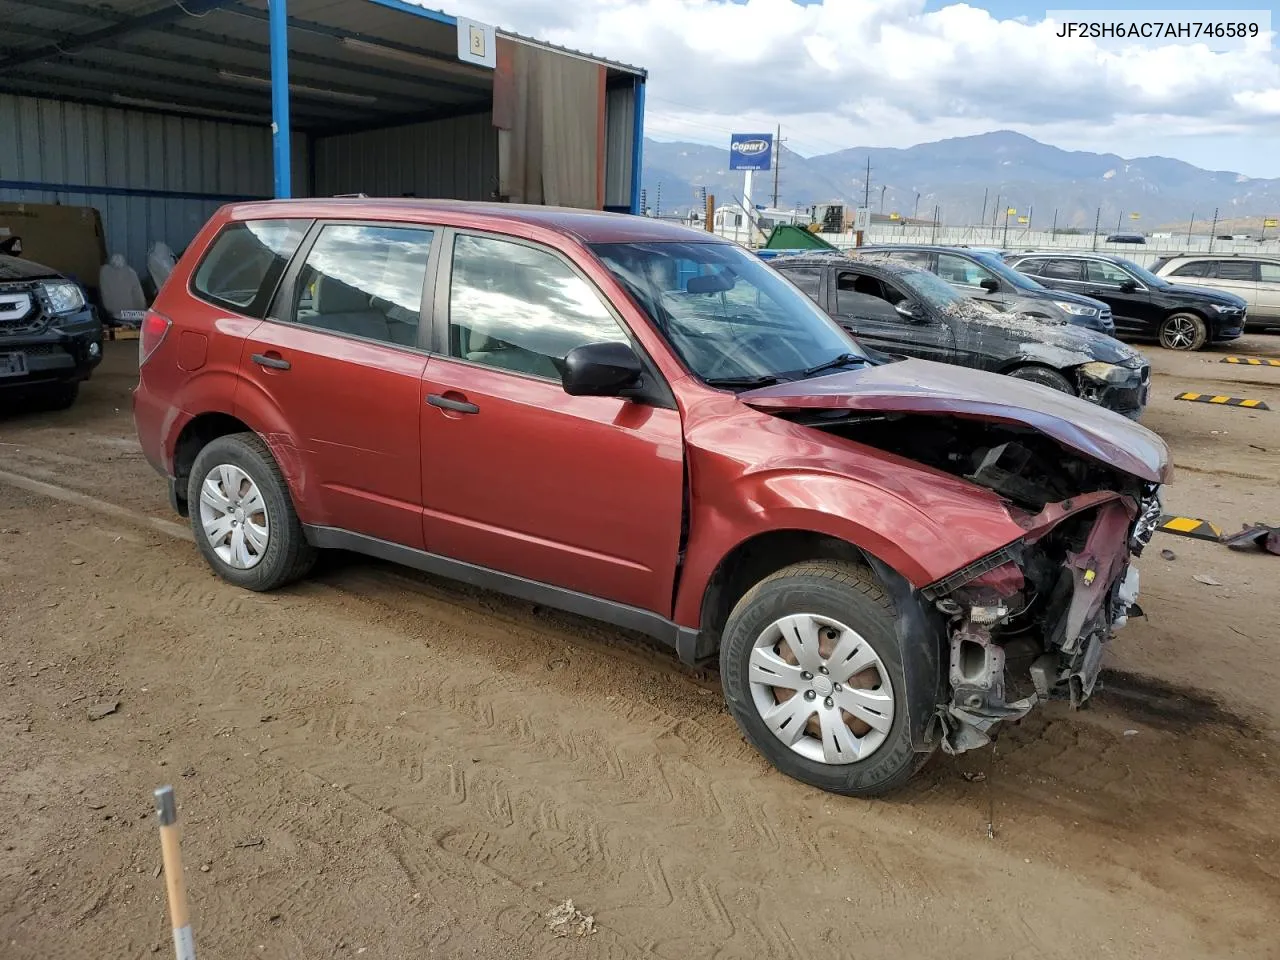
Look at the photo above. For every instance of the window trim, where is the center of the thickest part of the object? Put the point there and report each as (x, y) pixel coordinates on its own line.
(1083, 262)
(281, 310)
(658, 394)
(260, 306)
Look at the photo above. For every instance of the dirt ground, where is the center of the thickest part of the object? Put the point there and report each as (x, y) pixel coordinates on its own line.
(382, 764)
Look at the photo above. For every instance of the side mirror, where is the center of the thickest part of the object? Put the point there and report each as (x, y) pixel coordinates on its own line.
(601, 370)
(911, 311)
(990, 284)
(1128, 286)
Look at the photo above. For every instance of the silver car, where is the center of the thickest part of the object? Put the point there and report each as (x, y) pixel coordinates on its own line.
(1254, 277)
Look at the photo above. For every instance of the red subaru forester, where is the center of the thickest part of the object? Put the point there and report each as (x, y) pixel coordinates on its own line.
(647, 425)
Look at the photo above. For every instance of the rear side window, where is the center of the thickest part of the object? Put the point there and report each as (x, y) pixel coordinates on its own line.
(1237, 270)
(1031, 268)
(1269, 272)
(365, 281)
(1196, 268)
(246, 261)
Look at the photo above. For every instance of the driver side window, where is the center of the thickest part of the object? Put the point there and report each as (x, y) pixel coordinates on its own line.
(1102, 272)
(955, 269)
(862, 295)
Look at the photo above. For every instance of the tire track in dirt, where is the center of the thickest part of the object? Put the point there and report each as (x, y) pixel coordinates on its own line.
(552, 758)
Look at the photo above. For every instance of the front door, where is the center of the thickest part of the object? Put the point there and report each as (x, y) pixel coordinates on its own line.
(339, 360)
(866, 306)
(1128, 297)
(583, 493)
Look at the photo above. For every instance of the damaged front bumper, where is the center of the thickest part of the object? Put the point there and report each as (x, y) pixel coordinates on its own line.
(1120, 388)
(1049, 604)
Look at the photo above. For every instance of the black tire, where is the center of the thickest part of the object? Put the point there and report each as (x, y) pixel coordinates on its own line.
(288, 555)
(851, 595)
(1045, 377)
(59, 396)
(1183, 331)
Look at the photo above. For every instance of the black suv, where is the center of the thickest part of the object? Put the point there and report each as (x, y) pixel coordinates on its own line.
(981, 274)
(1144, 305)
(50, 335)
(901, 310)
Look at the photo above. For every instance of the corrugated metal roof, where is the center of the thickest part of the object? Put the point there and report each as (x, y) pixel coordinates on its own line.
(351, 62)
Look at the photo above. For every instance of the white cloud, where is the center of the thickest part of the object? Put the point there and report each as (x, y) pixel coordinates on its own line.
(886, 73)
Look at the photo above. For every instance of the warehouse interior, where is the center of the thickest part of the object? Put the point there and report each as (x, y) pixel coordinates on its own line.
(154, 113)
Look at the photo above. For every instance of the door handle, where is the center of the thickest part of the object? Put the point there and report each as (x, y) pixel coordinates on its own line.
(448, 403)
(274, 361)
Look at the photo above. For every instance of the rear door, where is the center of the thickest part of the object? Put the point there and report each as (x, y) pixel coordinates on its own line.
(1267, 306)
(583, 493)
(1236, 276)
(340, 360)
(866, 306)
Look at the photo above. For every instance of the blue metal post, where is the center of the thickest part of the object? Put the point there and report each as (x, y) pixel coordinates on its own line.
(280, 145)
(637, 148)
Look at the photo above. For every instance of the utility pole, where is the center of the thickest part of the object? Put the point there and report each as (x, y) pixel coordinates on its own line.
(986, 191)
(882, 190)
(995, 213)
(1054, 231)
(866, 194)
(1097, 223)
(777, 162)
(915, 214)
(1213, 231)
(1190, 227)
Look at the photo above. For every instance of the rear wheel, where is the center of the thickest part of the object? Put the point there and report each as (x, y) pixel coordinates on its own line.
(1045, 377)
(242, 516)
(1183, 331)
(811, 672)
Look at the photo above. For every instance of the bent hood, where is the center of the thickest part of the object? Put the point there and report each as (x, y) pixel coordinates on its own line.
(921, 386)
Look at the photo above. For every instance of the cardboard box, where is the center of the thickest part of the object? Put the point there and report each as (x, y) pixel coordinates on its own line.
(69, 239)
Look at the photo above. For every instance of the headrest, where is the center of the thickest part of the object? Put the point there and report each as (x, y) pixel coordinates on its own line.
(334, 296)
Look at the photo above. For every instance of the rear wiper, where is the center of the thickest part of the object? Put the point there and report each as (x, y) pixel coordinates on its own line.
(762, 381)
(840, 361)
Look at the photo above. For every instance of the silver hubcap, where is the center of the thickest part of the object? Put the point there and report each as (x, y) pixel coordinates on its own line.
(234, 517)
(821, 689)
(1180, 333)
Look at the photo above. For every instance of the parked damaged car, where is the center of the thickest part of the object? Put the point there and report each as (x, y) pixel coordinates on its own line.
(901, 309)
(647, 425)
(50, 335)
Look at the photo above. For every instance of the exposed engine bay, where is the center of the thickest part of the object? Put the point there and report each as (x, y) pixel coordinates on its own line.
(1031, 621)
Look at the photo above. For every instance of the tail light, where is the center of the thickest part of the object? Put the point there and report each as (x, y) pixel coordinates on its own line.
(154, 328)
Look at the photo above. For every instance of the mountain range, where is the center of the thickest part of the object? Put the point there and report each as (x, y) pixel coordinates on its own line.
(971, 180)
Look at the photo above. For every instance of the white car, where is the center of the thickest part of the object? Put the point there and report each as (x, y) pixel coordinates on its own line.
(1254, 277)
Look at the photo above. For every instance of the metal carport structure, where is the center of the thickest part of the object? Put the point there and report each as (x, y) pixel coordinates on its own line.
(162, 110)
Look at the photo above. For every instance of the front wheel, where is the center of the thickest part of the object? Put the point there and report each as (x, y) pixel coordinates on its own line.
(242, 516)
(811, 672)
(1045, 377)
(1183, 331)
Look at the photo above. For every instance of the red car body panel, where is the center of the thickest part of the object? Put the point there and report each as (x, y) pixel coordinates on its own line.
(582, 492)
(586, 493)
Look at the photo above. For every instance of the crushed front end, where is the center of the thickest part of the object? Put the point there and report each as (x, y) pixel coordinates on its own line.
(1032, 621)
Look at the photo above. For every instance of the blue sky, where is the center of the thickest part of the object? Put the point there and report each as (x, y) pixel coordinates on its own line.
(893, 73)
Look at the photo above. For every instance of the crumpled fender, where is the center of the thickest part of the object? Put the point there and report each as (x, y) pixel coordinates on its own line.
(920, 522)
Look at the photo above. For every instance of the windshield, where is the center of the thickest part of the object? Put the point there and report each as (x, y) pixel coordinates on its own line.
(1143, 274)
(732, 320)
(932, 289)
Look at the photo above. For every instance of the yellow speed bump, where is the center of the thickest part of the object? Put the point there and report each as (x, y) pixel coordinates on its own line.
(1252, 361)
(1224, 401)
(1192, 527)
